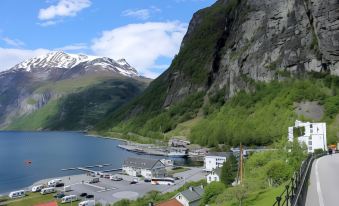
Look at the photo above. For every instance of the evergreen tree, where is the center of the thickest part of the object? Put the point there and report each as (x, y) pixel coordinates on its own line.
(229, 170)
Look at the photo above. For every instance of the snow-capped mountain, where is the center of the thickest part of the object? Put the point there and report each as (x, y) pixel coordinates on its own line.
(62, 60)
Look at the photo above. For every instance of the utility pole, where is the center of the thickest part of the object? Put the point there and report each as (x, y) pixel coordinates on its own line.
(241, 164)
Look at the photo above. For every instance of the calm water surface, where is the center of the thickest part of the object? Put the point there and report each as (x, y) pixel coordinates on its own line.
(50, 152)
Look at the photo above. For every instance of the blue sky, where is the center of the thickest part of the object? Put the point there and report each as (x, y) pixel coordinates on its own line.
(145, 32)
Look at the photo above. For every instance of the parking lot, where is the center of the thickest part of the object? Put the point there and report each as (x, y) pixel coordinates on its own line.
(108, 191)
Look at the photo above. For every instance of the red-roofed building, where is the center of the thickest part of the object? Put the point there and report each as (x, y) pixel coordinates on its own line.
(48, 204)
(171, 202)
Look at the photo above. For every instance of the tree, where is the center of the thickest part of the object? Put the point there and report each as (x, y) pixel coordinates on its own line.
(211, 192)
(229, 170)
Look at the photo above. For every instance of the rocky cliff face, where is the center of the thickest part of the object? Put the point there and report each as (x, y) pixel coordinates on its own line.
(256, 40)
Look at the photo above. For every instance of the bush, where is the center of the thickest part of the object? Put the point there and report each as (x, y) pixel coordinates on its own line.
(212, 190)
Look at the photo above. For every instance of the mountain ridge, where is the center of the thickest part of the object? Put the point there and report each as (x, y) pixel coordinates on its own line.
(32, 84)
(232, 47)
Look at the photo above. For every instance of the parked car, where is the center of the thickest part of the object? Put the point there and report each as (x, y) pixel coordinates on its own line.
(90, 196)
(54, 182)
(60, 184)
(59, 195)
(115, 178)
(94, 180)
(69, 198)
(48, 190)
(17, 194)
(83, 194)
(133, 182)
(147, 180)
(87, 203)
(37, 188)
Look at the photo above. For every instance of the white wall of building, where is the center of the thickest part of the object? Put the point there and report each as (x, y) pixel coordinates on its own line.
(212, 177)
(182, 200)
(213, 162)
(314, 137)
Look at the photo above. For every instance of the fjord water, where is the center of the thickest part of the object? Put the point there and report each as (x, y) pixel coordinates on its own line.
(50, 152)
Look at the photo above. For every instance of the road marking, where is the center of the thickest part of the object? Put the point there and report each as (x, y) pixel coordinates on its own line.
(320, 194)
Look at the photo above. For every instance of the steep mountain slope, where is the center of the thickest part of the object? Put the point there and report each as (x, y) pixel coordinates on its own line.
(36, 89)
(233, 46)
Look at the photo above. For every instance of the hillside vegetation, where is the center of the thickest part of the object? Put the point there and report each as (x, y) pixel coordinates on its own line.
(82, 108)
(259, 117)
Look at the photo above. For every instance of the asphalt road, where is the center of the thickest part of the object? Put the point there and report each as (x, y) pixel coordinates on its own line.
(324, 182)
(107, 191)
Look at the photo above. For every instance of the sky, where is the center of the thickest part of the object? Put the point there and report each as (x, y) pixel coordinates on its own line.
(147, 33)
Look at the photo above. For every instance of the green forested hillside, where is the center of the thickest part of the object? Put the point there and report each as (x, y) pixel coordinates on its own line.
(81, 109)
(259, 117)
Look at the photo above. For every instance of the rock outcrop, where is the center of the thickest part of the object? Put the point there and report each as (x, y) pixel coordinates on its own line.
(261, 40)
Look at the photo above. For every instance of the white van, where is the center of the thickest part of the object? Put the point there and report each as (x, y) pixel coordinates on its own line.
(17, 194)
(53, 183)
(69, 198)
(37, 188)
(47, 190)
(87, 203)
(67, 188)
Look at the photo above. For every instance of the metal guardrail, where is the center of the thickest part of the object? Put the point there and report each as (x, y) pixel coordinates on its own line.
(296, 190)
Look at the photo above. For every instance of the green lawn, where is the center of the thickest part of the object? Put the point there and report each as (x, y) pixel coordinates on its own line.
(261, 198)
(36, 198)
(178, 170)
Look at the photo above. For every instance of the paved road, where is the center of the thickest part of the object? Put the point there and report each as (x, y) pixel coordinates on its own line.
(324, 182)
(107, 191)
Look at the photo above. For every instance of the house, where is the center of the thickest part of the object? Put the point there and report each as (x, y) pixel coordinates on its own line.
(214, 176)
(147, 168)
(191, 196)
(171, 202)
(215, 160)
(312, 134)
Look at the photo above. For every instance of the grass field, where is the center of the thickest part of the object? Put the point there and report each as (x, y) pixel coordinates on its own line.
(36, 198)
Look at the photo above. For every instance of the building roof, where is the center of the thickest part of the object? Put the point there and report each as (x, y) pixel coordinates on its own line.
(220, 154)
(217, 171)
(140, 163)
(193, 193)
(48, 204)
(171, 202)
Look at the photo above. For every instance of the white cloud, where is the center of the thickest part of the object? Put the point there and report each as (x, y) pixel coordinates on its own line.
(142, 14)
(141, 44)
(47, 23)
(13, 42)
(73, 47)
(63, 8)
(10, 57)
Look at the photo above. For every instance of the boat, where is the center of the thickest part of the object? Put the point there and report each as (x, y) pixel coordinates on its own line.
(178, 152)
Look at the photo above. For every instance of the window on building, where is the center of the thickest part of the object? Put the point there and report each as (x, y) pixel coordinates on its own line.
(310, 148)
(309, 142)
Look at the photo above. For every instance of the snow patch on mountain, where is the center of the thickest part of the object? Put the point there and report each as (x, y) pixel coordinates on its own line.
(60, 59)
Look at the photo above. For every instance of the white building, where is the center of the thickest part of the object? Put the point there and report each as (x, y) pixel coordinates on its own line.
(147, 168)
(312, 134)
(215, 160)
(191, 196)
(214, 176)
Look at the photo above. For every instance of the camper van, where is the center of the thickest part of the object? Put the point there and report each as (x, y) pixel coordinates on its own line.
(69, 198)
(47, 190)
(37, 188)
(53, 183)
(67, 188)
(17, 194)
(87, 203)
